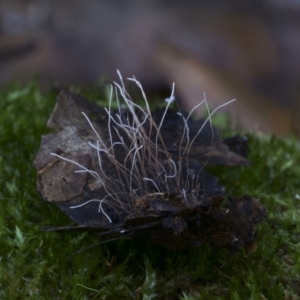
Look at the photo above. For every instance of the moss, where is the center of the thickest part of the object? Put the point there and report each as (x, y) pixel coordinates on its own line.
(38, 265)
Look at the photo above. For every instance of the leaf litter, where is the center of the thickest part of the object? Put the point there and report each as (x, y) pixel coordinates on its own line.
(130, 171)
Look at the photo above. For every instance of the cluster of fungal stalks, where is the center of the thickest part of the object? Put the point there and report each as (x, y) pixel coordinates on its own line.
(139, 171)
(137, 163)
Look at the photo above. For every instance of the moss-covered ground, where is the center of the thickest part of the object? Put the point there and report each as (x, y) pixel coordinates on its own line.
(39, 265)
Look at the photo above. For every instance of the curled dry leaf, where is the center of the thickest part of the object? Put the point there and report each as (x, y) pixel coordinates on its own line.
(130, 171)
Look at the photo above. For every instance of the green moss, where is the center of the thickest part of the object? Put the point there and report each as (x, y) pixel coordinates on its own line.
(38, 265)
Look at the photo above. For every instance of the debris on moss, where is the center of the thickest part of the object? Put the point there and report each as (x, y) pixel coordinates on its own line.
(39, 265)
(133, 171)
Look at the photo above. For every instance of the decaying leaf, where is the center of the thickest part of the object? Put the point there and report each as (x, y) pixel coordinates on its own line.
(131, 171)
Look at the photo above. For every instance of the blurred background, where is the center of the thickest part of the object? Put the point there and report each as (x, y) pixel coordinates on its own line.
(248, 50)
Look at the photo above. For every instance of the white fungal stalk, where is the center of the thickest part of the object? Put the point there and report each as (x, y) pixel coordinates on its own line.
(138, 155)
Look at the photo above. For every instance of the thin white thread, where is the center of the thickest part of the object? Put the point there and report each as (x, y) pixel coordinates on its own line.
(141, 150)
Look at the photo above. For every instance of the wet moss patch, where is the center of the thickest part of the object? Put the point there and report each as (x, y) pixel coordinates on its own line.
(39, 265)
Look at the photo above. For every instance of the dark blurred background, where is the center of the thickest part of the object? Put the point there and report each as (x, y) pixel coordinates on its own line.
(249, 50)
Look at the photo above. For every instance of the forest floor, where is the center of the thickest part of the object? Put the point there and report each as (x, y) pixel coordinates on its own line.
(39, 265)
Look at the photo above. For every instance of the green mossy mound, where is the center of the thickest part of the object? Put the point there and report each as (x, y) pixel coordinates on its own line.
(39, 265)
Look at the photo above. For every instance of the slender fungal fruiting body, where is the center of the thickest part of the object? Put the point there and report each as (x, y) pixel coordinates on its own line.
(146, 169)
(130, 170)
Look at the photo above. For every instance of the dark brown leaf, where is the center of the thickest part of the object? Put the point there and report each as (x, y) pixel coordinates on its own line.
(139, 174)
